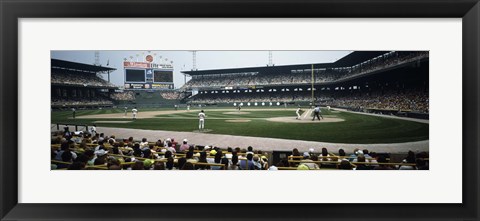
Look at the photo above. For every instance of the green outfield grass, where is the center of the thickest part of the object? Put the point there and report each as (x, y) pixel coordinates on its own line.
(357, 128)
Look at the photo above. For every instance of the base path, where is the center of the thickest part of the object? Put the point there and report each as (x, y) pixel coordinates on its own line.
(260, 143)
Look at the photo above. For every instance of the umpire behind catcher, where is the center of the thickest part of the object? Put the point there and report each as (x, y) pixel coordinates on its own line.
(316, 113)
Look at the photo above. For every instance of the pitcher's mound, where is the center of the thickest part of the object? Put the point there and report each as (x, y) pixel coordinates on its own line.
(236, 112)
(238, 121)
(306, 120)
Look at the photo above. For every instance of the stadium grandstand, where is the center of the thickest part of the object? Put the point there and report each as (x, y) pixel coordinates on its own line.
(152, 98)
(367, 81)
(79, 85)
(374, 107)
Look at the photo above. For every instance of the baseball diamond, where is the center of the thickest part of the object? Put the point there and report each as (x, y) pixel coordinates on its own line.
(366, 107)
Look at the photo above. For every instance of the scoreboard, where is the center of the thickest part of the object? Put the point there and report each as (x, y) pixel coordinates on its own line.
(148, 75)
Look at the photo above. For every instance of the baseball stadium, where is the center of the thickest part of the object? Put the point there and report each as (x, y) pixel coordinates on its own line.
(367, 110)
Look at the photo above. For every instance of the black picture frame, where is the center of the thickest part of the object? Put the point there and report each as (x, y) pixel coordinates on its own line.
(12, 10)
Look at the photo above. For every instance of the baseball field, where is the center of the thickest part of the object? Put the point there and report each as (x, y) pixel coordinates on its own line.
(279, 122)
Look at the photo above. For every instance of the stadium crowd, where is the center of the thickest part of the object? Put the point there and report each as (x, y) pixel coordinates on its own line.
(91, 150)
(123, 96)
(410, 100)
(79, 79)
(262, 79)
(214, 98)
(386, 61)
(304, 76)
(59, 102)
(172, 95)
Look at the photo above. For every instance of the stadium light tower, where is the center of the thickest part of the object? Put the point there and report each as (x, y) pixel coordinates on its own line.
(270, 58)
(313, 91)
(194, 60)
(97, 58)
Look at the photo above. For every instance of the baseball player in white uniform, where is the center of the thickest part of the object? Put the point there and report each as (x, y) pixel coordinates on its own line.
(201, 120)
(125, 112)
(73, 112)
(134, 113)
(298, 113)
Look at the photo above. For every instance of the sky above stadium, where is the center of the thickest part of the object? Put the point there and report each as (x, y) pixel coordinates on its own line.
(183, 60)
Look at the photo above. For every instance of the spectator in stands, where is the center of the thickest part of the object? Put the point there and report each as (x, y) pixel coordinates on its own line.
(365, 153)
(144, 143)
(188, 166)
(190, 158)
(77, 166)
(263, 161)
(234, 164)
(341, 153)
(354, 154)
(361, 159)
(256, 162)
(66, 157)
(345, 165)
(315, 159)
(112, 161)
(184, 147)
(217, 159)
(202, 159)
(295, 153)
(382, 159)
(181, 162)
(250, 150)
(99, 161)
(159, 143)
(303, 167)
(138, 165)
(82, 158)
(307, 161)
(421, 164)
(247, 164)
(159, 166)
(64, 147)
(225, 162)
(170, 163)
(410, 159)
(325, 155)
(171, 148)
(146, 153)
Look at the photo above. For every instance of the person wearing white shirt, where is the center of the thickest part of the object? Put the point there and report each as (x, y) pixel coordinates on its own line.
(298, 113)
(134, 113)
(73, 112)
(201, 120)
(93, 130)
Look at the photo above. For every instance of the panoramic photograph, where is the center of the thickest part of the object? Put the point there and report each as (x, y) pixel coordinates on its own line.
(239, 110)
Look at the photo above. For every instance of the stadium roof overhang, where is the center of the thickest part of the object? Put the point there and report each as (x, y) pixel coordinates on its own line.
(357, 57)
(349, 60)
(62, 64)
(271, 69)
